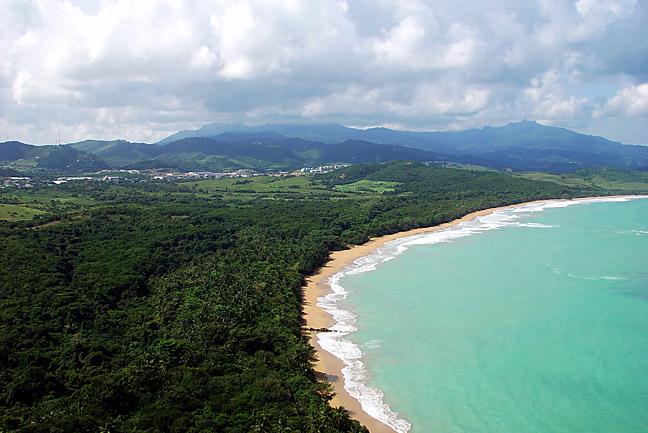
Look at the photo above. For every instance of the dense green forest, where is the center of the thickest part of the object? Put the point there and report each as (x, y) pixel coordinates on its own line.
(175, 307)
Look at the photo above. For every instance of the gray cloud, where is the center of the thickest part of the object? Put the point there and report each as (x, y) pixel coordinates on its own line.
(143, 69)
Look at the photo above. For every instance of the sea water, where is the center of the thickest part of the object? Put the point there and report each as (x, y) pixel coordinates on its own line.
(531, 319)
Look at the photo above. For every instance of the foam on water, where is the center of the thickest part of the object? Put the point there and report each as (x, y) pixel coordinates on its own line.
(372, 344)
(354, 372)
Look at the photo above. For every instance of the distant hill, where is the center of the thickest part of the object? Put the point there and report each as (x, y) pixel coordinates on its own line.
(16, 155)
(521, 146)
(266, 150)
(524, 145)
(529, 145)
(326, 133)
(117, 153)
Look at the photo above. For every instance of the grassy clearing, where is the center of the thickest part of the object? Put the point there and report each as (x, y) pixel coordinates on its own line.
(56, 197)
(630, 182)
(372, 186)
(48, 200)
(271, 187)
(259, 184)
(11, 212)
(267, 187)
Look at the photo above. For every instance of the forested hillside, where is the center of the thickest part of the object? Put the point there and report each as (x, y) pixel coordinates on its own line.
(265, 150)
(175, 307)
(16, 155)
(521, 146)
(524, 145)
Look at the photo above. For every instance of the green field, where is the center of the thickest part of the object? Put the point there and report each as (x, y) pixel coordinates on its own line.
(272, 187)
(375, 186)
(39, 200)
(46, 200)
(304, 186)
(603, 179)
(10, 212)
(258, 184)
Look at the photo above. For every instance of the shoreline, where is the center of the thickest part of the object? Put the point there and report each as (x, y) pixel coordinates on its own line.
(317, 285)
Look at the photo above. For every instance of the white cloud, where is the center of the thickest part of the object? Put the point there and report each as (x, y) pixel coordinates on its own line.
(549, 99)
(233, 29)
(354, 99)
(567, 22)
(631, 101)
(417, 41)
(141, 69)
(447, 99)
(402, 44)
(601, 12)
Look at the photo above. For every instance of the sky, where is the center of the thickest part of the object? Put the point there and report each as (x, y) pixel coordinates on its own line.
(142, 69)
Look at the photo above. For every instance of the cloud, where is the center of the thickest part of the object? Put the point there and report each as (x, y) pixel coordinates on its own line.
(419, 41)
(142, 69)
(452, 99)
(631, 101)
(549, 100)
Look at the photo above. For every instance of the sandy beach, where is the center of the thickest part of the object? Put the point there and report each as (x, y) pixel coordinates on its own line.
(317, 285)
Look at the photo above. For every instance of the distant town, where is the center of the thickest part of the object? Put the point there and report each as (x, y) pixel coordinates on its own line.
(133, 175)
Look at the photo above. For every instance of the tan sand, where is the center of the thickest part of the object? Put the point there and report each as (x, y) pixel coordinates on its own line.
(317, 285)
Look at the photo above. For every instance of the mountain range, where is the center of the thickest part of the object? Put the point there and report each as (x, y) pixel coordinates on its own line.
(262, 150)
(525, 146)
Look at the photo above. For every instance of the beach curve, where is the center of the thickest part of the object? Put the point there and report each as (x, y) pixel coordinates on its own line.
(323, 287)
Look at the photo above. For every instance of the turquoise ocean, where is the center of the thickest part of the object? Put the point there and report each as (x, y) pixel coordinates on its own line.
(530, 319)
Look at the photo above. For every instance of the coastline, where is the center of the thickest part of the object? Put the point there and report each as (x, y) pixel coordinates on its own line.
(318, 285)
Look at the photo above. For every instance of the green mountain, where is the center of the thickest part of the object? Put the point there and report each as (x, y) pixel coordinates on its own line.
(117, 152)
(16, 155)
(521, 146)
(264, 150)
(325, 132)
(524, 145)
(529, 145)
